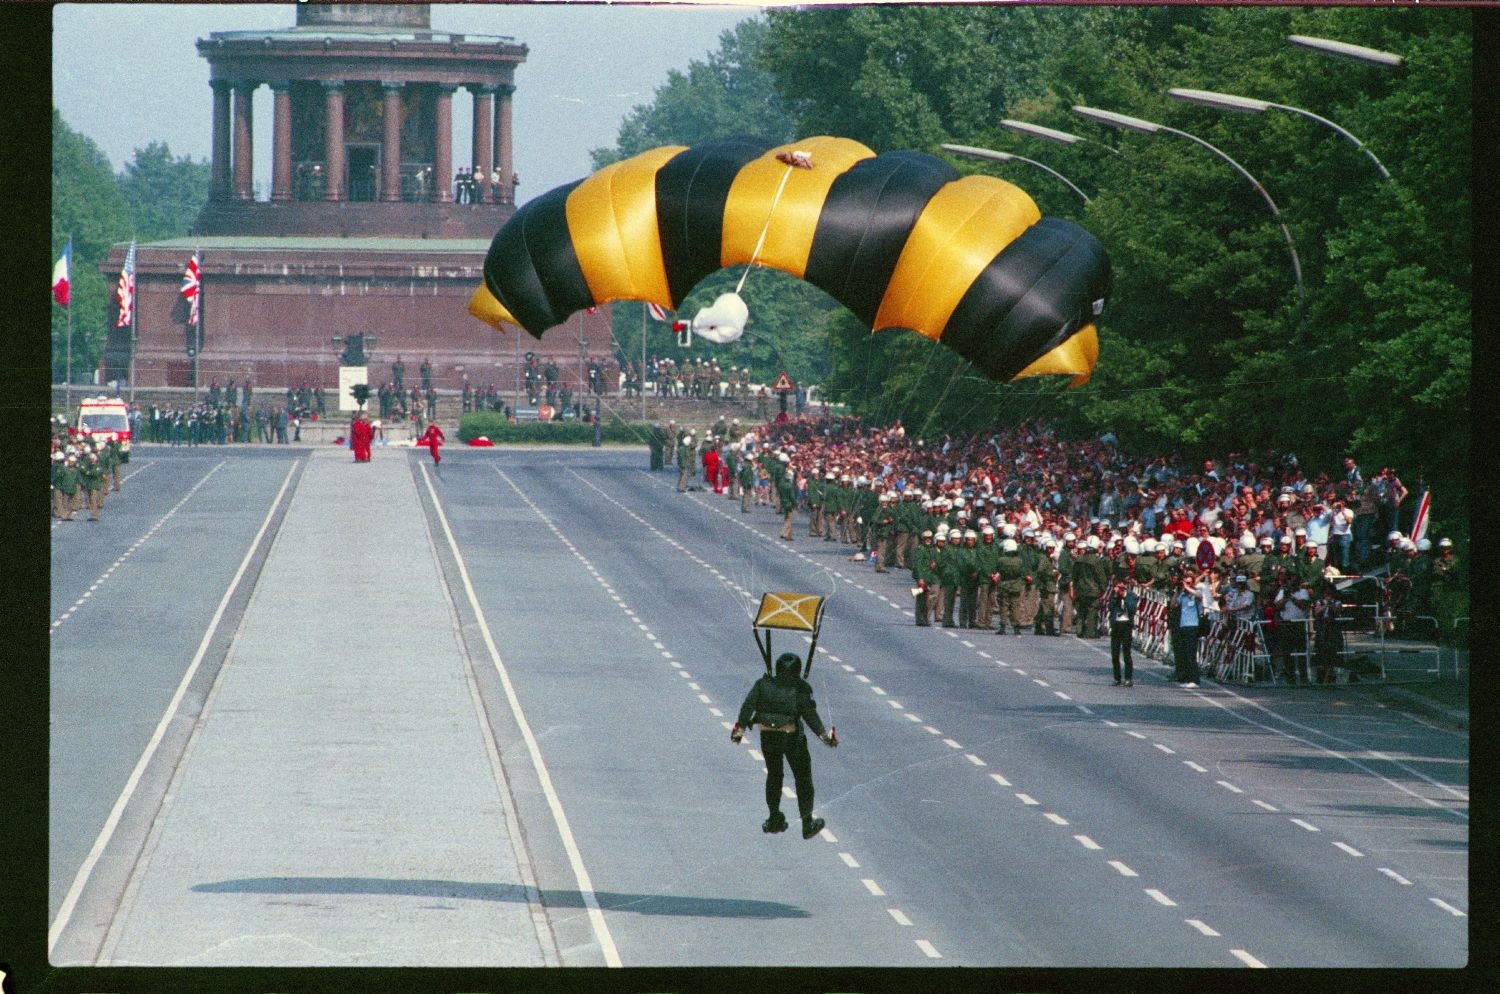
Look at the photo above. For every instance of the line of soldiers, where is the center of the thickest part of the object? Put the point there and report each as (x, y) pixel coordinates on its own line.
(84, 470)
(694, 378)
(398, 403)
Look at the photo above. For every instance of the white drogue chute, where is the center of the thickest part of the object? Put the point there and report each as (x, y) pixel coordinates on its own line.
(723, 322)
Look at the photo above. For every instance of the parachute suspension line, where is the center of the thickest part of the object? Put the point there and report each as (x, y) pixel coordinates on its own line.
(765, 228)
(912, 393)
(958, 371)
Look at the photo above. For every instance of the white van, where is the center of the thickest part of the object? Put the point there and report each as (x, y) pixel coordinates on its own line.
(107, 418)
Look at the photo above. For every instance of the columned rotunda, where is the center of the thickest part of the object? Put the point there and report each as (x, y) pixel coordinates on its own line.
(372, 224)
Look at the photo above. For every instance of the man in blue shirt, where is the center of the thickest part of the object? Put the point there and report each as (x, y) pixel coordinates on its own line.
(1184, 620)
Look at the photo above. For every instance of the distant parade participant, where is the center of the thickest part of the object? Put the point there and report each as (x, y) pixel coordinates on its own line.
(361, 434)
(656, 442)
(684, 462)
(747, 483)
(1121, 614)
(786, 498)
(91, 478)
(780, 705)
(924, 578)
(65, 481)
(711, 467)
(433, 439)
(1046, 586)
(1010, 584)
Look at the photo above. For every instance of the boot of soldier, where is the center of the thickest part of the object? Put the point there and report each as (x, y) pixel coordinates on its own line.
(811, 826)
(775, 823)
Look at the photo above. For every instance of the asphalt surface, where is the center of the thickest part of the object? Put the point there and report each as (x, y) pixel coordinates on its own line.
(313, 712)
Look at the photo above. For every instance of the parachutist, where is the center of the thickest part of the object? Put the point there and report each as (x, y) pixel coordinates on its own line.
(779, 705)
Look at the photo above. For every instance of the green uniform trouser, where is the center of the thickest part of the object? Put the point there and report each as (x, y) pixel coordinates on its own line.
(882, 547)
(1087, 608)
(985, 616)
(1009, 606)
(62, 504)
(1044, 613)
(786, 524)
(950, 594)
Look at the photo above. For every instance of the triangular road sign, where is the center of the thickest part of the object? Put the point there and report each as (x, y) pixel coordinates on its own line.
(783, 383)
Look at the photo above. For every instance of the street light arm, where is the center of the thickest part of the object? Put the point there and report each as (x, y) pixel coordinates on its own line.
(1327, 123)
(988, 153)
(1275, 211)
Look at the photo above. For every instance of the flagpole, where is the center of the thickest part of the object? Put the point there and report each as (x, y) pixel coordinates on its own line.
(198, 328)
(641, 383)
(68, 378)
(134, 307)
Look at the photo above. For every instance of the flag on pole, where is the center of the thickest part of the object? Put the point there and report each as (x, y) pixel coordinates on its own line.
(125, 289)
(657, 312)
(62, 275)
(191, 287)
(1419, 524)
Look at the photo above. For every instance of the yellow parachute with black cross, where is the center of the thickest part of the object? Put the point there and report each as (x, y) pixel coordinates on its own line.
(902, 239)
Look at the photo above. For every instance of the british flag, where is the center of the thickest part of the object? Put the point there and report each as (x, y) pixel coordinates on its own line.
(191, 287)
(125, 289)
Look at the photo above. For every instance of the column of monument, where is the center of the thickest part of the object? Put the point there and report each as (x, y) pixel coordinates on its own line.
(333, 139)
(281, 140)
(506, 194)
(244, 188)
(390, 152)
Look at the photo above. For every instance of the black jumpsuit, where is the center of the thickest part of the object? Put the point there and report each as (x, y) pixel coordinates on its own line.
(780, 701)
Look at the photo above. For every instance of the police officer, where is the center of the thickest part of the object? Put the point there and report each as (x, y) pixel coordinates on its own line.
(779, 705)
(1011, 578)
(1046, 585)
(924, 577)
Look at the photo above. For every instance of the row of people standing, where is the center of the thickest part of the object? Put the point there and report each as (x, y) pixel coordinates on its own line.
(84, 470)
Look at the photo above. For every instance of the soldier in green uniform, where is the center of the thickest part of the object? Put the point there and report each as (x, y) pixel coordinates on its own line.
(1046, 587)
(1065, 582)
(949, 572)
(686, 455)
(747, 484)
(786, 497)
(732, 469)
(816, 485)
(656, 441)
(1089, 579)
(1011, 573)
(91, 477)
(1251, 560)
(64, 482)
(119, 452)
(987, 562)
(924, 578)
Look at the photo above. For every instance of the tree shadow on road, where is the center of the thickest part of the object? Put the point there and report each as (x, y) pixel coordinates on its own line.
(643, 904)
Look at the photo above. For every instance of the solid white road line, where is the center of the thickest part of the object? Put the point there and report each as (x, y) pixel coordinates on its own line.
(554, 803)
(70, 900)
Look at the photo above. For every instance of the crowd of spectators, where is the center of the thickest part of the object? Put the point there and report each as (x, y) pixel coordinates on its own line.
(1250, 530)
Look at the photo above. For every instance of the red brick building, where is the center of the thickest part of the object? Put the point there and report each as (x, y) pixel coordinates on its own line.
(366, 230)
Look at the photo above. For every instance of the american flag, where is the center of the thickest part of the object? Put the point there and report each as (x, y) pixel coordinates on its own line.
(658, 312)
(191, 286)
(125, 290)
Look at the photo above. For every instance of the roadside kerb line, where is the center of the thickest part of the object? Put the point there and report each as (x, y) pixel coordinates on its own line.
(70, 901)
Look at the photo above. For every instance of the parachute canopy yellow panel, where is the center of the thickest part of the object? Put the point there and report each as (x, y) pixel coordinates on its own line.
(793, 612)
(900, 238)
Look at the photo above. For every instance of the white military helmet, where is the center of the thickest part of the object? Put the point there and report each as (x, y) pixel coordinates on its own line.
(1009, 530)
(971, 533)
(1132, 547)
(1393, 537)
(1247, 542)
(1149, 546)
(1423, 545)
(1094, 542)
(1446, 543)
(1267, 540)
(1009, 545)
(987, 530)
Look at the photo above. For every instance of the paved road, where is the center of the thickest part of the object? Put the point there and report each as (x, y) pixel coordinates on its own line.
(480, 718)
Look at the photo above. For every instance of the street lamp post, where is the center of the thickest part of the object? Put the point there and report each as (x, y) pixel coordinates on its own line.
(1250, 105)
(1151, 128)
(988, 153)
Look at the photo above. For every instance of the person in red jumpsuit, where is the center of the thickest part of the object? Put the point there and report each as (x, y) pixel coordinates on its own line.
(433, 439)
(361, 433)
(711, 468)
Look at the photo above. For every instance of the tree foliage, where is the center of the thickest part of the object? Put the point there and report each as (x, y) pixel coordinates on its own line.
(164, 194)
(1206, 346)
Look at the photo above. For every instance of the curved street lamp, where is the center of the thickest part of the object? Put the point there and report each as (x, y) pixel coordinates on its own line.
(1151, 128)
(1051, 134)
(1249, 105)
(988, 153)
(1345, 50)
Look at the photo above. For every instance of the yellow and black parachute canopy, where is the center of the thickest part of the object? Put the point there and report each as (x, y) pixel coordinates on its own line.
(901, 239)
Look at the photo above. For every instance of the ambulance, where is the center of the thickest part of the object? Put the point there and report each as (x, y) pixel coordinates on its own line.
(106, 418)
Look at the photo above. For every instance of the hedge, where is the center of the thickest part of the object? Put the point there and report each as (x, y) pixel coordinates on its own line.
(493, 426)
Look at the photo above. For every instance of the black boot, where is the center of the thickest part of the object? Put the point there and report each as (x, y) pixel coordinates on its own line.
(775, 823)
(811, 826)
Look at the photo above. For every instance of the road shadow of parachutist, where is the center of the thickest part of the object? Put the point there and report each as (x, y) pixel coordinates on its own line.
(643, 904)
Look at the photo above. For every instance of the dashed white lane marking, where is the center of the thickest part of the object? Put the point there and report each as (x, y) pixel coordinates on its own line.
(1018, 672)
(788, 792)
(694, 686)
(985, 655)
(967, 644)
(912, 717)
(1135, 735)
(828, 836)
(705, 699)
(861, 678)
(1027, 800)
(878, 691)
(1111, 724)
(900, 918)
(848, 668)
(927, 948)
(1087, 842)
(1038, 682)
(756, 755)
(1302, 824)
(999, 780)
(1447, 907)
(1229, 786)
(1062, 695)
(1263, 804)
(872, 887)
(974, 759)
(951, 744)
(1125, 871)
(1395, 876)
(675, 663)
(1055, 819)
(849, 860)
(1247, 959)
(1166, 749)
(1161, 898)
(1194, 766)
(1201, 927)
(895, 704)
(1350, 849)
(930, 730)
(1084, 709)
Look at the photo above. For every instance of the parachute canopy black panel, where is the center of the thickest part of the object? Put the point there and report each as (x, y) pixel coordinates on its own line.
(901, 239)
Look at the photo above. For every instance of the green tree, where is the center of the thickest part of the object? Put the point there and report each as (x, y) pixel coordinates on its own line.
(88, 206)
(164, 194)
